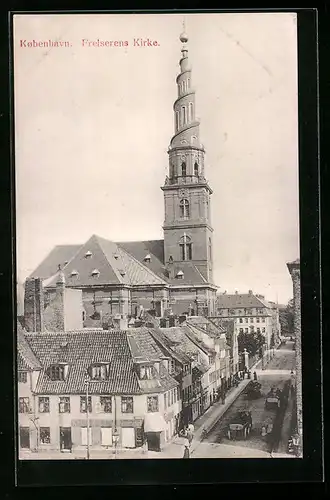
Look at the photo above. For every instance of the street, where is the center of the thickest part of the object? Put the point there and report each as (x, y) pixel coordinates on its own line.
(276, 373)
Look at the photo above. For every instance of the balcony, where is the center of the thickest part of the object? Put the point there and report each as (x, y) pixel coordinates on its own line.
(185, 179)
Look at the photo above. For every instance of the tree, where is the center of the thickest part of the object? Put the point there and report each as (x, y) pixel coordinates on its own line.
(252, 342)
(287, 319)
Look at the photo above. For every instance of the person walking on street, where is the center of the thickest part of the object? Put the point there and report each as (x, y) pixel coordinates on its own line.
(186, 453)
(223, 397)
(255, 375)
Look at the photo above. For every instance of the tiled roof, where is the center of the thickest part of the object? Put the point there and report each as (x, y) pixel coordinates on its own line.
(26, 358)
(191, 274)
(170, 348)
(191, 334)
(140, 249)
(180, 341)
(114, 264)
(80, 350)
(226, 301)
(59, 255)
(207, 326)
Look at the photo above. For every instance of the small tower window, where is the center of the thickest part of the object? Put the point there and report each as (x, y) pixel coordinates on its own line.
(210, 251)
(196, 172)
(177, 120)
(185, 248)
(179, 275)
(184, 115)
(191, 111)
(188, 83)
(172, 171)
(183, 169)
(184, 209)
(88, 254)
(95, 273)
(74, 273)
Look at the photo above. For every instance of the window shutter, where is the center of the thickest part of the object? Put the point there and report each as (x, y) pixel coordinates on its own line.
(106, 436)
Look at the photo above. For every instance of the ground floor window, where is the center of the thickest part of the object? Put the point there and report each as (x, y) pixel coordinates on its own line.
(44, 435)
(106, 436)
(24, 437)
(84, 436)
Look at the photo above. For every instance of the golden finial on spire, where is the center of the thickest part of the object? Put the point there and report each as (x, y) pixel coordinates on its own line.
(184, 36)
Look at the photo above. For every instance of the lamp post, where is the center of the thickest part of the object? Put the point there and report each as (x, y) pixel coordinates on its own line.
(87, 413)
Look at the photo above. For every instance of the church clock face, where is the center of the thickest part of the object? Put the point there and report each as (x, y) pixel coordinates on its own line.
(183, 193)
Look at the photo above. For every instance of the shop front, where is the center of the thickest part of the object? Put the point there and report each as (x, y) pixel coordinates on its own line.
(154, 429)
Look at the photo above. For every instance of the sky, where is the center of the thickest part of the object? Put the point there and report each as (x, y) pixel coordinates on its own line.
(93, 124)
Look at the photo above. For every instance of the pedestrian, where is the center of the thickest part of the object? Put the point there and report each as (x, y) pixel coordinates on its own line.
(255, 377)
(186, 453)
(223, 397)
(249, 374)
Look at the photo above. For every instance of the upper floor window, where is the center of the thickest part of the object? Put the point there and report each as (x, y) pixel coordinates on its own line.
(83, 404)
(185, 248)
(145, 372)
(184, 209)
(44, 405)
(64, 405)
(177, 120)
(99, 371)
(183, 169)
(22, 377)
(24, 405)
(184, 115)
(106, 404)
(241, 320)
(152, 404)
(196, 169)
(127, 404)
(57, 372)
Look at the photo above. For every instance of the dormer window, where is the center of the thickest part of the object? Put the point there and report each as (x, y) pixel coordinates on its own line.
(147, 258)
(145, 372)
(88, 254)
(95, 273)
(99, 371)
(116, 256)
(122, 272)
(179, 275)
(58, 372)
(74, 273)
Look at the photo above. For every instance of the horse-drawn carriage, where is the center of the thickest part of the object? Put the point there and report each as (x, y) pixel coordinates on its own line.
(273, 399)
(253, 390)
(241, 425)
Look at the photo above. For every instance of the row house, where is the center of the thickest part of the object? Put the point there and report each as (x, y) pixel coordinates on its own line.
(251, 313)
(112, 385)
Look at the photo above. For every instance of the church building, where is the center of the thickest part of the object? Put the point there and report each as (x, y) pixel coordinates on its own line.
(173, 275)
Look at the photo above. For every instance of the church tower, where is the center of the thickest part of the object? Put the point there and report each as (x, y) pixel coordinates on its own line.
(187, 226)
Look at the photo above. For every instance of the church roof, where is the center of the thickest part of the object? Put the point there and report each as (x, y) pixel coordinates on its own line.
(103, 262)
(61, 254)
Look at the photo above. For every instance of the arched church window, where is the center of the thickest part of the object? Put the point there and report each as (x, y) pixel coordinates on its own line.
(188, 83)
(184, 209)
(185, 248)
(183, 86)
(183, 169)
(196, 172)
(191, 111)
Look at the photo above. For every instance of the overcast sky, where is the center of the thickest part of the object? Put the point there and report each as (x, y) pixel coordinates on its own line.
(93, 125)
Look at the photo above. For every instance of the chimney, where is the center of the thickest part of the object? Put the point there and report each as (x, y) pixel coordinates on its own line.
(34, 305)
(236, 292)
(59, 301)
(250, 292)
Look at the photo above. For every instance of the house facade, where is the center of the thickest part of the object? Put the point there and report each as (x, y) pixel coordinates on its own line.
(111, 385)
(251, 313)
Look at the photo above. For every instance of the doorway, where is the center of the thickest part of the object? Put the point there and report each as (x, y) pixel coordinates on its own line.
(24, 437)
(128, 437)
(153, 439)
(65, 438)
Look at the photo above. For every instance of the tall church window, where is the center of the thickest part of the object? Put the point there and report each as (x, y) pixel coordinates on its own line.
(185, 248)
(183, 169)
(184, 209)
(191, 111)
(196, 169)
(188, 83)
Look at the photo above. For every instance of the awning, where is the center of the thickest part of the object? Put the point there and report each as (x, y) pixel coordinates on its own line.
(154, 422)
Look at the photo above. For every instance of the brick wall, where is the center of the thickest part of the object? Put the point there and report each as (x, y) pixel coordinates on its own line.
(33, 305)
